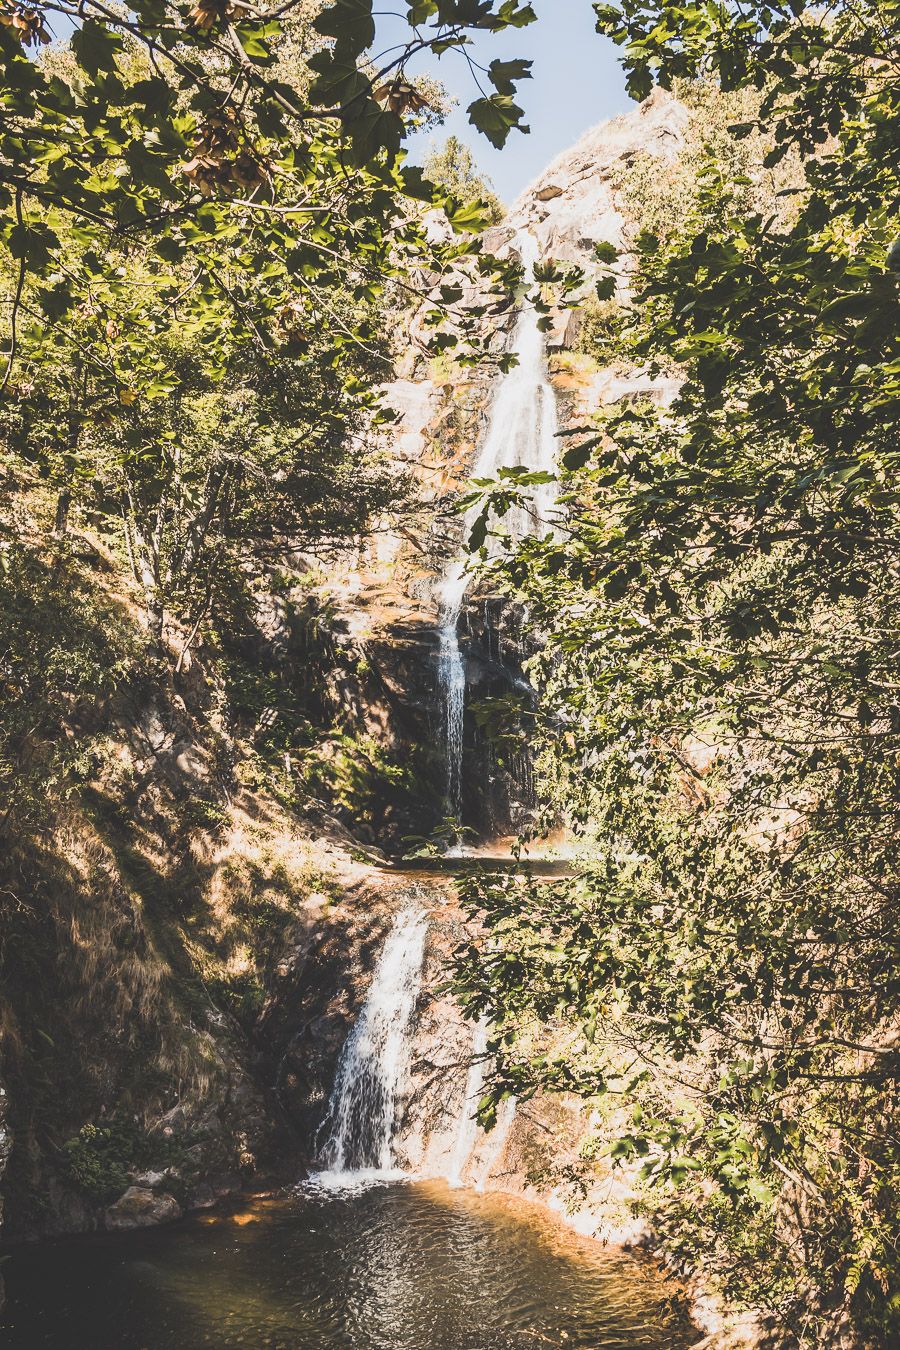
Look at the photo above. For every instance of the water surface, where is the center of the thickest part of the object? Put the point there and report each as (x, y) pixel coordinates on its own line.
(391, 1267)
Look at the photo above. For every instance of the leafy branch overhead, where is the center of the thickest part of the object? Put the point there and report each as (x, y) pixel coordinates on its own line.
(191, 195)
(158, 117)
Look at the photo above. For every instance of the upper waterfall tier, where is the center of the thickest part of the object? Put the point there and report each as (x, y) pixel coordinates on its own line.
(521, 432)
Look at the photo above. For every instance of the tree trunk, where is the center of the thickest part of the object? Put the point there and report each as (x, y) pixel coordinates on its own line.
(61, 522)
(70, 457)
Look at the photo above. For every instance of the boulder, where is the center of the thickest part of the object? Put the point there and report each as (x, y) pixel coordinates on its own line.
(152, 1181)
(140, 1207)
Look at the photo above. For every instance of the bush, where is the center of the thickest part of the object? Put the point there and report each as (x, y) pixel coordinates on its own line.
(100, 1158)
(600, 329)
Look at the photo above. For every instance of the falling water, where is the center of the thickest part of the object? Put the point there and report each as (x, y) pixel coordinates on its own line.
(467, 1129)
(506, 1113)
(465, 1162)
(521, 432)
(374, 1064)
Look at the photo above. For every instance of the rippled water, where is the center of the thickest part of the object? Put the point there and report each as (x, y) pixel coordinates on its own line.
(398, 1267)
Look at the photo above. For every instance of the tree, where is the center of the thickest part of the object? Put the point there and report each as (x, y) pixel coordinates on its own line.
(194, 198)
(206, 226)
(187, 104)
(208, 149)
(163, 115)
(183, 427)
(720, 693)
(453, 167)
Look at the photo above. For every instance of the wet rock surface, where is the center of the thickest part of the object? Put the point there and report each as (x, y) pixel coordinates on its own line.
(320, 986)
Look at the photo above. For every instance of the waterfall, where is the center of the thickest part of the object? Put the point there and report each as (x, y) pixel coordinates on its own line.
(506, 1114)
(467, 1129)
(521, 431)
(467, 1156)
(374, 1065)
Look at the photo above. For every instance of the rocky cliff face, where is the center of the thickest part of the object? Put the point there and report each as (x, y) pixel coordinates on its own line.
(577, 201)
(385, 597)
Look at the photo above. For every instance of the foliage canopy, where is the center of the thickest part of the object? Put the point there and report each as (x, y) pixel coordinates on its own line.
(720, 687)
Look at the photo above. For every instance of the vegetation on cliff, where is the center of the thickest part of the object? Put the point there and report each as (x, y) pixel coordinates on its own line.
(209, 236)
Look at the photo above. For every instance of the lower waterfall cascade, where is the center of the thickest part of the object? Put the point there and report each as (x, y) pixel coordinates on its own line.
(365, 1108)
(374, 1064)
(506, 1114)
(467, 1126)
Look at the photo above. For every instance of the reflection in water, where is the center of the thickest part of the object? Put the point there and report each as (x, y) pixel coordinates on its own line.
(400, 1267)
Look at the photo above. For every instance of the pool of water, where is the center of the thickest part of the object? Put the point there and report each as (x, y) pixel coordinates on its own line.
(388, 1267)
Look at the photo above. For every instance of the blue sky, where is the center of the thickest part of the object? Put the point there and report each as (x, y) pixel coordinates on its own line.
(577, 82)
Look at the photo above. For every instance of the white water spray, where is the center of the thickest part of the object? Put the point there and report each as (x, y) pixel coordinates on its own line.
(521, 432)
(472, 1159)
(374, 1066)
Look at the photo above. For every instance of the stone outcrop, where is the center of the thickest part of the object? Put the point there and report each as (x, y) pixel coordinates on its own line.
(140, 1207)
(576, 202)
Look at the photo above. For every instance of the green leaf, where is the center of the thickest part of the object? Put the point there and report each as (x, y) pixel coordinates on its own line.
(254, 43)
(578, 455)
(170, 248)
(56, 300)
(478, 533)
(503, 75)
(95, 46)
(339, 82)
(372, 129)
(415, 184)
(350, 22)
(35, 243)
(496, 117)
(468, 217)
(511, 15)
